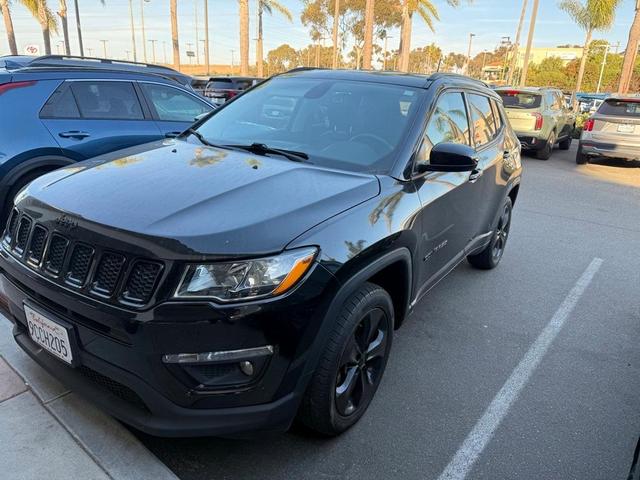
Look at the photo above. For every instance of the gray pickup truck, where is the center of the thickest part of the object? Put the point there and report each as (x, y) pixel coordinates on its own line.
(540, 117)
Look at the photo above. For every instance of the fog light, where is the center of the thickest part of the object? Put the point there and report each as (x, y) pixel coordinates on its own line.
(246, 368)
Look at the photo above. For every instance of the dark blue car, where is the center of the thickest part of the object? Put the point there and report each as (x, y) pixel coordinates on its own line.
(59, 110)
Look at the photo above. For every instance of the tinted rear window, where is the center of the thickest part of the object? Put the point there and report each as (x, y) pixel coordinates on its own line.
(516, 99)
(620, 108)
(223, 83)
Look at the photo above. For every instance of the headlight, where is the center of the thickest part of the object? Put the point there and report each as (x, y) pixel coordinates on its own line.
(245, 280)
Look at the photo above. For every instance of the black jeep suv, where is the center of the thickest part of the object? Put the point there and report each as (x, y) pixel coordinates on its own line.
(254, 269)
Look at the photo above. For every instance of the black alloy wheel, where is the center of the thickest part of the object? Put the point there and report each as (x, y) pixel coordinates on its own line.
(502, 233)
(360, 367)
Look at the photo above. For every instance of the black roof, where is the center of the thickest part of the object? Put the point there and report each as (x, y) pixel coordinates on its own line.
(407, 79)
(63, 62)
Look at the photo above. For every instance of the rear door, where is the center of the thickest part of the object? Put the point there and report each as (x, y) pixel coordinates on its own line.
(522, 108)
(92, 117)
(618, 121)
(173, 109)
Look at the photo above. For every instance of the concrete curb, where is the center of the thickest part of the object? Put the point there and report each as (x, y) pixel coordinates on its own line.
(108, 444)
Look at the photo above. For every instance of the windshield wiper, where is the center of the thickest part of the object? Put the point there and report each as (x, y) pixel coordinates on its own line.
(200, 137)
(262, 149)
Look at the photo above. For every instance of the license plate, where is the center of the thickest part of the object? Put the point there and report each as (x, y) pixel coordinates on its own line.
(50, 335)
(626, 128)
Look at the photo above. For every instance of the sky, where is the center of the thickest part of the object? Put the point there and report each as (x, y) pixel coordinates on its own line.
(489, 20)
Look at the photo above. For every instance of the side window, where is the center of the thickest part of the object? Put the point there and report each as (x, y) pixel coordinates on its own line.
(482, 118)
(107, 100)
(552, 101)
(172, 104)
(61, 104)
(448, 123)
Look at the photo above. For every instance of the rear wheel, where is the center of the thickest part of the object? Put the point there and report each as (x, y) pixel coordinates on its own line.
(352, 363)
(545, 152)
(581, 158)
(565, 144)
(492, 254)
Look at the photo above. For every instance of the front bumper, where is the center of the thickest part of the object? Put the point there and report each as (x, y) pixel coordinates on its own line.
(610, 150)
(120, 366)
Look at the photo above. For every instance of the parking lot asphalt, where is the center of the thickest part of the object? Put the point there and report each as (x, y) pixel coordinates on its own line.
(574, 409)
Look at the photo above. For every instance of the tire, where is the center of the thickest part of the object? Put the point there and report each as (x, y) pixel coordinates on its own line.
(581, 158)
(492, 254)
(545, 152)
(565, 144)
(345, 381)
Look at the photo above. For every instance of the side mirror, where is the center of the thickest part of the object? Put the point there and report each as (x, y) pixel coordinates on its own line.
(450, 157)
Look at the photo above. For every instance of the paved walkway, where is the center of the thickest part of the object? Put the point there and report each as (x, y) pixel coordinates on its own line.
(47, 431)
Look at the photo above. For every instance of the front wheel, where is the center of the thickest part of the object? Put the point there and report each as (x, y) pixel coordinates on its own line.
(565, 144)
(352, 364)
(492, 254)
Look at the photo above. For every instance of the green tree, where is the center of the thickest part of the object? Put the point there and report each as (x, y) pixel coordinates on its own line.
(593, 15)
(283, 58)
(267, 6)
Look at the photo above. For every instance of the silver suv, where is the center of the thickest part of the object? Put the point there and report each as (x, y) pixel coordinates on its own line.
(613, 131)
(540, 117)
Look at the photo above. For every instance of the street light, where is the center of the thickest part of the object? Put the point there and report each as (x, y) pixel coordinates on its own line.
(104, 47)
(144, 36)
(384, 58)
(133, 32)
(153, 49)
(466, 70)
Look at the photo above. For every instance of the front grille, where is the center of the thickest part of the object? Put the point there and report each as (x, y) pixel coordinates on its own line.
(108, 273)
(95, 272)
(36, 248)
(23, 234)
(142, 280)
(79, 264)
(116, 388)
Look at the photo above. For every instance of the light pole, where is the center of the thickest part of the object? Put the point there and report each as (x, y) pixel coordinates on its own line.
(206, 35)
(164, 51)
(232, 59)
(90, 51)
(144, 36)
(133, 32)
(190, 49)
(195, 6)
(153, 49)
(466, 69)
(127, 52)
(484, 62)
(384, 57)
(104, 47)
(527, 52)
(75, 4)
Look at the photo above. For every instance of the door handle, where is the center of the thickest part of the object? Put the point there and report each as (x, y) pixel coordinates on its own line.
(74, 134)
(475, 175)
(172, 134)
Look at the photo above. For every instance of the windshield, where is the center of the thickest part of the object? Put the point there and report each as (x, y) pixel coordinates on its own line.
(355, 126)
(620, 108)
(517, 99)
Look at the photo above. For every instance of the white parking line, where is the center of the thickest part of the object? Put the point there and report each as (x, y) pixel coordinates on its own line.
(461, 464)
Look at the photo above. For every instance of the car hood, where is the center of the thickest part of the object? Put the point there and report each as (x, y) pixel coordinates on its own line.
(210, 200)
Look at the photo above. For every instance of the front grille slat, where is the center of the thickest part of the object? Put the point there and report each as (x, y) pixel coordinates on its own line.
(108, 273)
(36, 247)
(79, 264)
(24, 228)
(141, 282)
(93, 270)
(57, 252)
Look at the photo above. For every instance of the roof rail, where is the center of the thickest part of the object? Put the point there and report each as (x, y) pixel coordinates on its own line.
(438, 75)
(303, 69)
(93, 62)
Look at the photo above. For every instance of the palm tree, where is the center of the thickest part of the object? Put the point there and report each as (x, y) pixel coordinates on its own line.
(369, 19)
(174, 33)
(244, 37)
(428, 12)
(62, 13)
(46, 18)
(8, 26)
(590, 16)
(267, 6)
(630, 53)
